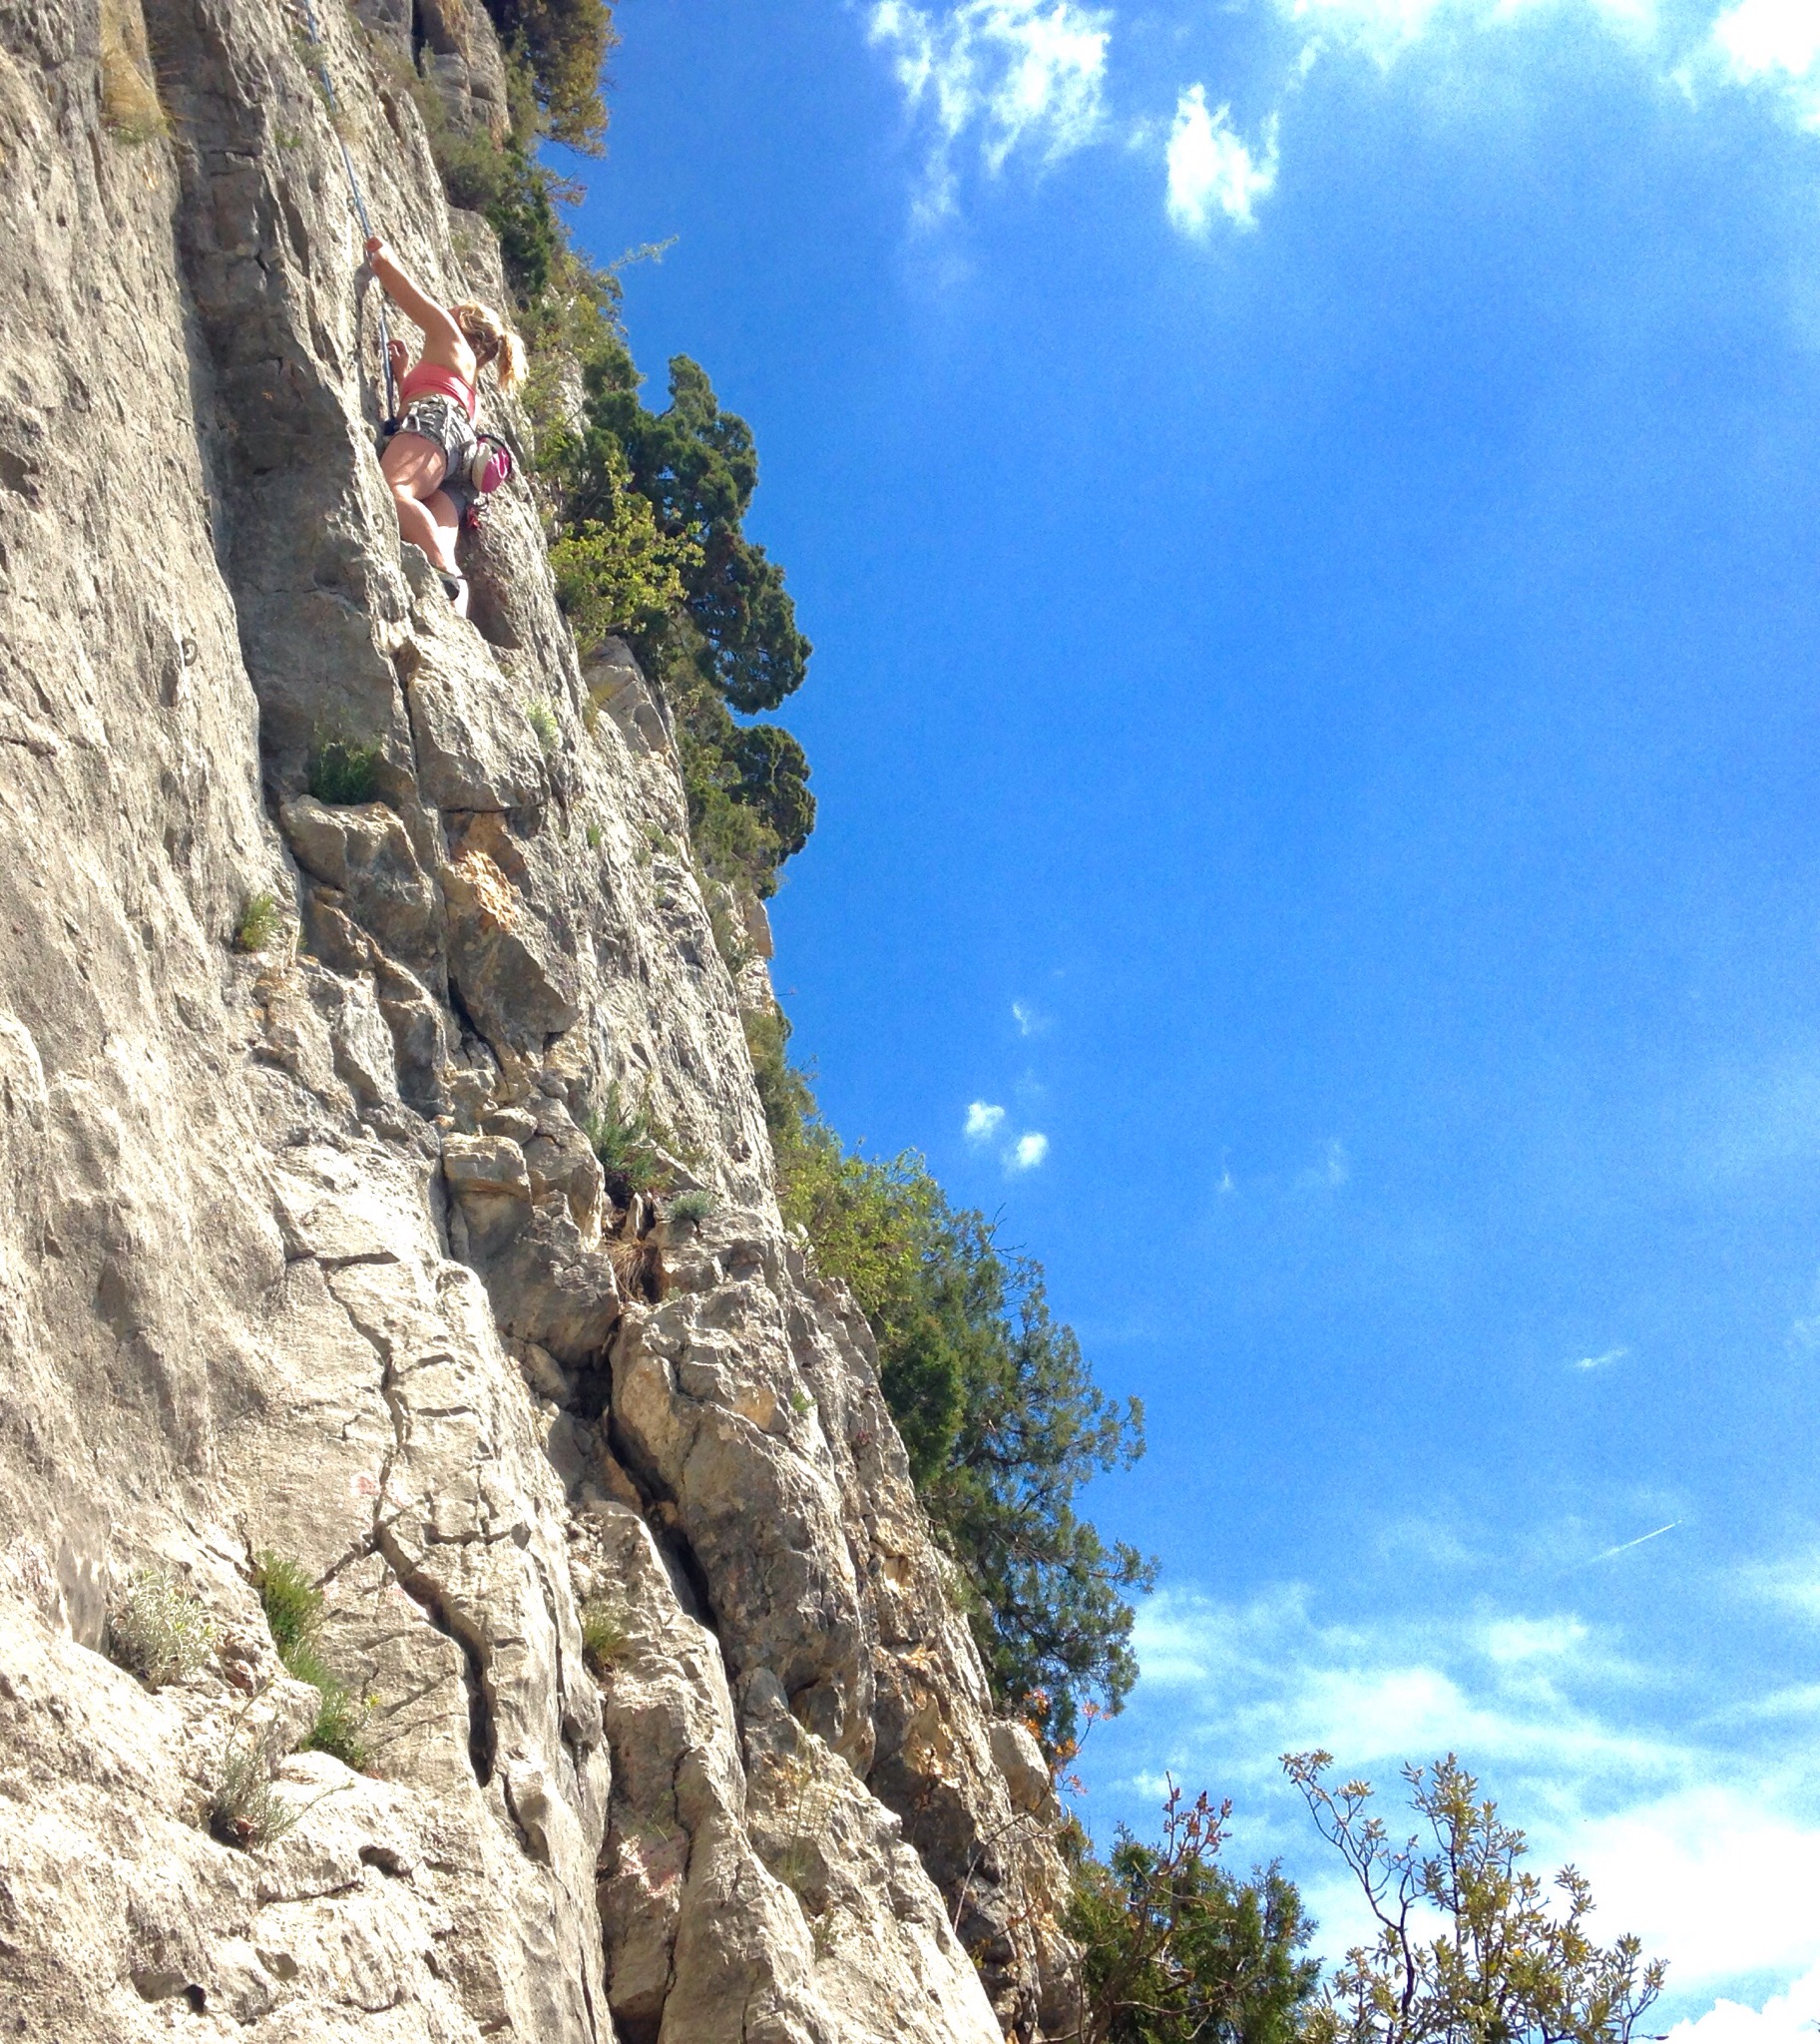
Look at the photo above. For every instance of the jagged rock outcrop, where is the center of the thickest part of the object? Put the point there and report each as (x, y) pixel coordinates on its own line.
(310, 1251)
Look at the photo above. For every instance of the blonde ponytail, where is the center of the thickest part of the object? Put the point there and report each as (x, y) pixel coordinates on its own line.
(492, 342)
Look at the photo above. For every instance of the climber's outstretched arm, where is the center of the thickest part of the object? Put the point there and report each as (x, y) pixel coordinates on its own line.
(442, 338)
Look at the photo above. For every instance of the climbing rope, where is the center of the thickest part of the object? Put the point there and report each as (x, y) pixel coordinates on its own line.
(353, 188)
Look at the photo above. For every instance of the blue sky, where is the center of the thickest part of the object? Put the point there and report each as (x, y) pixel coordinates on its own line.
(1309, 515)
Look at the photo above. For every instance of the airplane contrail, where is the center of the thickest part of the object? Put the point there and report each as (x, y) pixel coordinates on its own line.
(1625, 1546)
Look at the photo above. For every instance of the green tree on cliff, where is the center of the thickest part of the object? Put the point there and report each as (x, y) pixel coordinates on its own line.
(651, 543)
(1177, 1950)
(697, 467)
(564, 44)
(1000, 1415)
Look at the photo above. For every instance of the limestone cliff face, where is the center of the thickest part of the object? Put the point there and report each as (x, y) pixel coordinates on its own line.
(308, 1252)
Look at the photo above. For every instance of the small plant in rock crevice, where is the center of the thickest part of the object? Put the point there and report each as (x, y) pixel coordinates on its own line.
(543, 721)
(340, 1727)
(246, 1810)
(605, 1636)
(797, 1861)
(693, 1206)
(342, 770)
(158, 1631)
(626, 1138)
(291, 1602)
(260, 922)
(293, 1615)
(729, 936)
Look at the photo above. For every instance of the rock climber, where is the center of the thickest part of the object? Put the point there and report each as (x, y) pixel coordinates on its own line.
(426, 459)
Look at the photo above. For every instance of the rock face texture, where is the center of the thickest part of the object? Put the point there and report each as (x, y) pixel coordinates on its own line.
(673, 1734)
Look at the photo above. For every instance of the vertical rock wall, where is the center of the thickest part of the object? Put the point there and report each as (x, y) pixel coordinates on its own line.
(308, 1252)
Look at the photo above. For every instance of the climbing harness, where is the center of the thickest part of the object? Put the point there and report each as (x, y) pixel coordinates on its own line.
(354, 187)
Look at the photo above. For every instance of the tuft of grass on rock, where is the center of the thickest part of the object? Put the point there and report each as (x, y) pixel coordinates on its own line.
(693, 1206)
(604, 1634)
(158, 1631)
(543, 720)
(342, 770)
(292, 1602)
(293, 1615)
(246, 1810)
(340, 1727)
(260, 923)
(130, 107)
(626, 1139)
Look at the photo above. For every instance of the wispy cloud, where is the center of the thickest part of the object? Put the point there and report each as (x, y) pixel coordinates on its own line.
(1385, 28)
(1031, 1021)
(1211, 170)
(1019, 75)
(1602, 1360)
(1026, 1153)
(1509, 1641)
(1331, 1169)
(1792, 1584)
(984, 1121)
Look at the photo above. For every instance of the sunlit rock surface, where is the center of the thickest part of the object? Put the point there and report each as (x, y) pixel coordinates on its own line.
(309, 1251)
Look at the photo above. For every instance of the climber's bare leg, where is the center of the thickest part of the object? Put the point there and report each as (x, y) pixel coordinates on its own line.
(447, 521)
(426, 515)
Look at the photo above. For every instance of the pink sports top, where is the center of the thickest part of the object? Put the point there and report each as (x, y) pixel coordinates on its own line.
(432, 376)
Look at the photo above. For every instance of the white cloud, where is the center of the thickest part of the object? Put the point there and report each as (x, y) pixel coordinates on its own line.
(1211, 168)
(1774, 42)
(1710, 1854)
(1713, 1876)
(1022, 74)
(1511, 1640)
(1026, 1153)
(1026, 1018)
(1765, 37)
(1385, 28)
(1600, 1362)
(983, 1121)
(1378, 1695)
(1783, 2018)
(1031, 76)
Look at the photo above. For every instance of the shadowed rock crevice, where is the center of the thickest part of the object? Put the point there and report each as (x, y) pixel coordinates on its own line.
(483, 1735)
